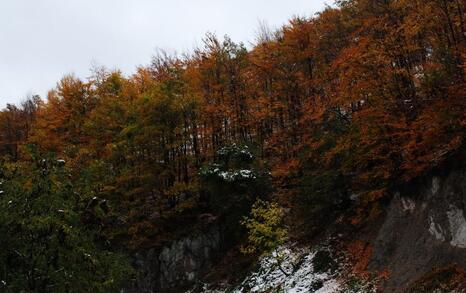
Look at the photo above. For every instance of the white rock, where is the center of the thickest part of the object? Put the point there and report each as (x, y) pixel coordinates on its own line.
(408, 204)
(436, 230)
(435, 185)
(457, 227)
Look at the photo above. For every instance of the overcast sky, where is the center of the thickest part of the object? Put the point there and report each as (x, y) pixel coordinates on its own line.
(41, 40)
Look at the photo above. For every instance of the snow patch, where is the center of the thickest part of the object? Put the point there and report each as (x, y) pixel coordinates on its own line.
(290, 269)
(330, 286)
(232, 176)
(295, 274)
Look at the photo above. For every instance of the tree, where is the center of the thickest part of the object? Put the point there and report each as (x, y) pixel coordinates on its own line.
(266, 230)
(232, 184)
(16, 124)
(265, 227)
(46, 247)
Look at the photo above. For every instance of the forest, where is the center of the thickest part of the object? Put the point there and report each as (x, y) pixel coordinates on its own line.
(272, 142)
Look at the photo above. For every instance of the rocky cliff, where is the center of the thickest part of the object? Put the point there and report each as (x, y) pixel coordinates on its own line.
(178, 265)
(424, 228)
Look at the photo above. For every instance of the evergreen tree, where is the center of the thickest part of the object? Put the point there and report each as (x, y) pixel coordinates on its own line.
(46, 244)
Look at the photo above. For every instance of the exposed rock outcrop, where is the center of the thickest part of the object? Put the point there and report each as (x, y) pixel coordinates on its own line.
(177, 265)
(425, 228)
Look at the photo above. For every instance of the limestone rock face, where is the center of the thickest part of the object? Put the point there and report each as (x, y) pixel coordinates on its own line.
(425, 227)
(177, 265)
(186, 258)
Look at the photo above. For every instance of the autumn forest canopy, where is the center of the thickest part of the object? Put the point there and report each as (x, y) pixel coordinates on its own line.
(356, 100)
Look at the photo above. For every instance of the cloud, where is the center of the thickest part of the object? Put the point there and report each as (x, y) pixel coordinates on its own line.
(42, 40)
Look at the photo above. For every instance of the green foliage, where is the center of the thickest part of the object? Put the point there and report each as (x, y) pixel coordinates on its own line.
(322, 191)
(46, 244)
(265, 227)
(233, 165)
(233, 181)
(183, 197)
(361, 97)
(231, 185)
(320, 196)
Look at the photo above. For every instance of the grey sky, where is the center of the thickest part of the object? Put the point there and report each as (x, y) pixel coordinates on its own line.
(41, 40)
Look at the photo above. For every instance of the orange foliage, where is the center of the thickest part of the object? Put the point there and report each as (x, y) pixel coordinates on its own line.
(360, 253)
(371, 89)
